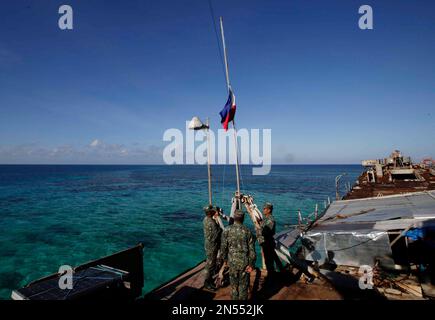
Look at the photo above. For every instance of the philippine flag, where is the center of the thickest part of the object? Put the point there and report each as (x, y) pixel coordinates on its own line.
(229, 110)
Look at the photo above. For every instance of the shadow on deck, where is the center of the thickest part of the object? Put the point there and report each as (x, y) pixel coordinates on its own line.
(284, 286)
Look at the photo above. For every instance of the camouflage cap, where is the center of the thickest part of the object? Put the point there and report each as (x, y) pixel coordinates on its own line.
(209, 209)
(268, 205)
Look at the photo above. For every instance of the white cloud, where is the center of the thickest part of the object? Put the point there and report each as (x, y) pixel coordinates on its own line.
(96, 152)
(95, 143)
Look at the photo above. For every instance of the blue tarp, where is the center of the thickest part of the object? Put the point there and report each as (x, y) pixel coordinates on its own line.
(415, 234)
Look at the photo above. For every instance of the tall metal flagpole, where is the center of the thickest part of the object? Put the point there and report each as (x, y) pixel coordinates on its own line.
(210, 200)
(235, 132)
(227, 74)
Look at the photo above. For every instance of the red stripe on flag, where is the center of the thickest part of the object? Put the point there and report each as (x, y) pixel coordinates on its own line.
(230, 117)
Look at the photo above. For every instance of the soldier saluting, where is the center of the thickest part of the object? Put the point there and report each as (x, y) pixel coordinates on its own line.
(238, 252)
(212, 240)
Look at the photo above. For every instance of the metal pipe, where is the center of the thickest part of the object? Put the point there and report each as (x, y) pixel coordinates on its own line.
(227, 75)
(210, 199)
(337, 180)
(237, 165)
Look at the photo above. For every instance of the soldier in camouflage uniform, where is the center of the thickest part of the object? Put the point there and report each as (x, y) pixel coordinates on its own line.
(238, 252)
(267, 226)
(212, 240)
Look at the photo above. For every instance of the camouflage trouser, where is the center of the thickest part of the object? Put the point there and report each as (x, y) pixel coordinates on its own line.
(270, 257)
(210, 266)
(239, 280)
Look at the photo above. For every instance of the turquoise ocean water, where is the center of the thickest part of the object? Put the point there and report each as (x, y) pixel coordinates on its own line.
(56, 215)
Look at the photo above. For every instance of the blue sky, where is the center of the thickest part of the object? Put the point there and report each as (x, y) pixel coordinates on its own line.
(330, 92)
